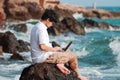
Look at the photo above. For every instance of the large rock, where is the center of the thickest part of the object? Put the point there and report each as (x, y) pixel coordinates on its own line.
(97, 13)
(23, 9)
(45, 71)
(67, 23)
(11, 45)
(73, 25)
(19, 27)
(2, 17)
(89, 23)
(9, 42)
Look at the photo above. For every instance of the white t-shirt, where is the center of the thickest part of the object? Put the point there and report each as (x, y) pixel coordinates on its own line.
(39, 35)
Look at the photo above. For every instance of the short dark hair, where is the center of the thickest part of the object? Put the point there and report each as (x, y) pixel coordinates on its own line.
(48, 13)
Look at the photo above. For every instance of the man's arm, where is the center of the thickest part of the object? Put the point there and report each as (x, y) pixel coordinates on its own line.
(47, 48)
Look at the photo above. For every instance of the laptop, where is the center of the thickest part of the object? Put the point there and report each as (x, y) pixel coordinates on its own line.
(64, 49)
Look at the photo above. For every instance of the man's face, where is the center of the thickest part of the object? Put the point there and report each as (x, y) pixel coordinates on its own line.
(49, 23)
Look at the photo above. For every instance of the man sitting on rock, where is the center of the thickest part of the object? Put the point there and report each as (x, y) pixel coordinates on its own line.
(42, 51)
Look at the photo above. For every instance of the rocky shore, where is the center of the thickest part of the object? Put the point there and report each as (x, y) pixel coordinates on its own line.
(31, 9)
(45, 71)
(12, 10)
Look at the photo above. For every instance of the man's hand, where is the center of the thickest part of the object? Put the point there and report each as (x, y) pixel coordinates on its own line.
(55, 49)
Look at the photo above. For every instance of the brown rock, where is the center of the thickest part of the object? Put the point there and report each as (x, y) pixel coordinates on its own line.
(116, 14)
(44, 71)
(99, 13)
(17, 56)
(19, 27)
(10, 44)
(2, 16)
(1, 51)
(73, 25)
(23, 9)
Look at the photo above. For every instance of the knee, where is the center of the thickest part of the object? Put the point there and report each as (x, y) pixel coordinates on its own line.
(74, 57)
(74, 65)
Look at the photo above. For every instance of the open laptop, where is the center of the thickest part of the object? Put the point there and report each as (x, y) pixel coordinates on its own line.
(64, 49)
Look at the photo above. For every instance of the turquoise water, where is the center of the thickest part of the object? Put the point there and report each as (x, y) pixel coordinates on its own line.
(116, 9)
(111, 8)
(97, 51)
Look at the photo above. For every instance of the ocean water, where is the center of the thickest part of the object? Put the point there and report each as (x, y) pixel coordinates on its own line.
(116, 9)
(97, 51)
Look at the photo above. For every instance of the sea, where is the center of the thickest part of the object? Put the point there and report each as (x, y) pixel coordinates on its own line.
(98, 51)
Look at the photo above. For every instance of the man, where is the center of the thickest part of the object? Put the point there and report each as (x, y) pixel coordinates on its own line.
(42, 51)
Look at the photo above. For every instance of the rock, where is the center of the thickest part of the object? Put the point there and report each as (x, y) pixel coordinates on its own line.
(23, 46)
(23, 9)
(88, 22)
(2, 3)
(45, 71)
(66, 23)
(19, 27)
(58, 28)
(62, 13)
(73, 25)
(2, 59)
(98, 13)
(116, 14)
(103, 25)
(1, 51)
(2, 17)
(11, 45)
(9, 42)
(17, 56)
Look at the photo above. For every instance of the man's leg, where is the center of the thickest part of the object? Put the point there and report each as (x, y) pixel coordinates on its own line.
(59, 59)
(63, 69)
(73, 62)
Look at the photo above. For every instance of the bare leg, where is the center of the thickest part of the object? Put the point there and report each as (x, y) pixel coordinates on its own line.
(63, 69)
(74, 65)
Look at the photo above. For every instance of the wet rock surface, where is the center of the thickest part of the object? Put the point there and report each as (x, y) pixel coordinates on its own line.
(45, 71)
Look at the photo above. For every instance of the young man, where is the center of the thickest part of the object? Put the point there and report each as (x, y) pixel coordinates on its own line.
(42, 51)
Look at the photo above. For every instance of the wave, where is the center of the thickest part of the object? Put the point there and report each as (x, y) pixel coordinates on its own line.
(78, 15)
(114, 45)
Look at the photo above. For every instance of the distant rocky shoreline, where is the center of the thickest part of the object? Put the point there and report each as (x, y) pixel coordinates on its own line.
(12, 10)
(31, 9)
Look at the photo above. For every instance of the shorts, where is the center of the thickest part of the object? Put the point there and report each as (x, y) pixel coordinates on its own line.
(60, 57)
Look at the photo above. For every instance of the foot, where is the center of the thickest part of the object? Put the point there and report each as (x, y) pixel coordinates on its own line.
(63, 69)
(83, 78)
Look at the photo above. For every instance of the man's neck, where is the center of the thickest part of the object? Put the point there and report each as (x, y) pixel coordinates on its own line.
(44, 22)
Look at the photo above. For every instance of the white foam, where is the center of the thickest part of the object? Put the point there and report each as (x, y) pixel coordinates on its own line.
(115, 45)
(17, 77)
(88, 30)
(4, 78)
(82, 53)
(91, 71)
(78, 15)
(7, 56)
(114, 28)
